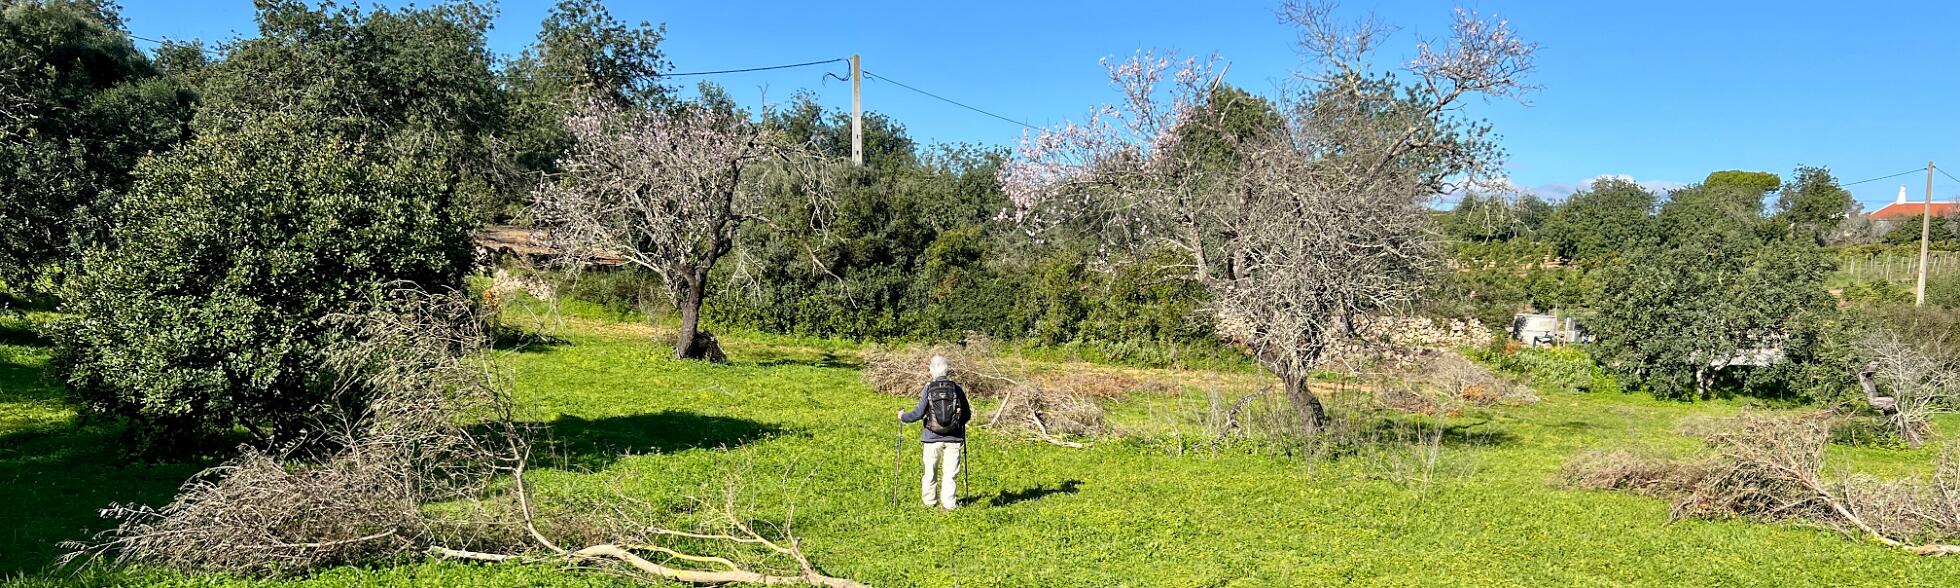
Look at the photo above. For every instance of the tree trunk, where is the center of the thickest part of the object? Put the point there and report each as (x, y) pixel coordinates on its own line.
(1702, 387)
(1313, 415)
(692, 342)
(1914, 432)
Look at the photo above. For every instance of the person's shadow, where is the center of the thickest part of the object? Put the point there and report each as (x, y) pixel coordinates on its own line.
(1005, 498)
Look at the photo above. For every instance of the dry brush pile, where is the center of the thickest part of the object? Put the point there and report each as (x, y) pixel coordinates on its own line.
(1050, 409)
(1411, 364)
(423, 456)
(1908, 381)
(1771, 468)
(1443, 382)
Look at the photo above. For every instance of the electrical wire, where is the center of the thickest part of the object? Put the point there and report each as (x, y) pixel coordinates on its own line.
(664, 75)
(868, 74)
(1948, 175)
(750, 69)
(1880, 178)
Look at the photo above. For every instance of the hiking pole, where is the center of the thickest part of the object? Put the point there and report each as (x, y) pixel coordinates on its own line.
(898, 458)
(967, 468)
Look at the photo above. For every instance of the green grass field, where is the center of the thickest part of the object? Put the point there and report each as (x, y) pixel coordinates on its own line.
(1156, 507)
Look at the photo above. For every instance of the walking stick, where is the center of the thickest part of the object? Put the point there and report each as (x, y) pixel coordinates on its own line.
(898, 458)
(967, 464)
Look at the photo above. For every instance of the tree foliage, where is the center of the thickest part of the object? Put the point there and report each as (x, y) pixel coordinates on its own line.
(204, 312)
(79, 105)
(1674, 319)
(1610, 217)
(1813, 204)
(416, 78)
(1758, 182)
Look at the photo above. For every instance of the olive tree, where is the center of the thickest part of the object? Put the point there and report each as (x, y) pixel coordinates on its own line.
(667, 190)
(1321, 220)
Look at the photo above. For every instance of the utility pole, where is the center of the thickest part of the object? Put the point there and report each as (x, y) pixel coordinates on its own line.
(1925, 235)
(857, 113)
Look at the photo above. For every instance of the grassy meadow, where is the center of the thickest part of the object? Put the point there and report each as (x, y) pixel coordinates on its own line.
(1158, 505)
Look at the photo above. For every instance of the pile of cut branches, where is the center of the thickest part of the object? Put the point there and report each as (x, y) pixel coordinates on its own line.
(1049, 411)
(1770, 468)
(901, 371)
(1050, 414)
(1442, 382)
(423, 419)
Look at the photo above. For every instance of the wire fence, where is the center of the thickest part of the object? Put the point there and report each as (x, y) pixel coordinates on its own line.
(1898, 269)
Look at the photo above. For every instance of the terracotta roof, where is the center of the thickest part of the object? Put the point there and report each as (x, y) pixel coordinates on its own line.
(1897, 211)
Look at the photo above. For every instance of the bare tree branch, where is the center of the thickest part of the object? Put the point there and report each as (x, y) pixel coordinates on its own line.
(669, 191)
(1314, 220)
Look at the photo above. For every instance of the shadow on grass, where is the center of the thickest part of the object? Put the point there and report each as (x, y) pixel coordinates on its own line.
(1576, 426)
(827, 359)
(54, 479)
(56, 473)
(580, 444)
(22, 333)
(509, 338)
(1452, 433)
(1006, 497)
(20, 383)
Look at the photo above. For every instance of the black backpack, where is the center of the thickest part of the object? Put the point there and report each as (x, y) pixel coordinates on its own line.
(944, 414)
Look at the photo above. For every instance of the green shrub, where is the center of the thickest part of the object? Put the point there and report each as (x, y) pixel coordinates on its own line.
(205, 313)
(623, 290)
(1866, 432)
(1878, 291)
(1942, 290)
(1566, 368)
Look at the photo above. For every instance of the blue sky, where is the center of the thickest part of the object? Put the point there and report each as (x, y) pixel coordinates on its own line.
(1660, 91)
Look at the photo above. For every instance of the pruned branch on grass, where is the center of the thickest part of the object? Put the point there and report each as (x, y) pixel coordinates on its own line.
(1045, 412)
(1908, 381)
(901, 371)
(1770, 468)
(424, 420)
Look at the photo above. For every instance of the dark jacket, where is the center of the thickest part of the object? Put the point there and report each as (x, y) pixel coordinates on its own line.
(926, 435)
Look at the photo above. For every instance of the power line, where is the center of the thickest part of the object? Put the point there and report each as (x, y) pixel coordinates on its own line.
(1914, 170)
(868, 74)
(749, 69)
(1948, 175)
(663, 75)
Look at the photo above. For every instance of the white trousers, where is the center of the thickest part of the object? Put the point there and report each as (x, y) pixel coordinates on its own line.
(938, 487)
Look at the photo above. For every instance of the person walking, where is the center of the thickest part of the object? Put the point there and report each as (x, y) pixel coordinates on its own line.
(943, 407)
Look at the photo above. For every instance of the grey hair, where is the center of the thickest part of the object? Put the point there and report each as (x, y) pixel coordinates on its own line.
(937, 366)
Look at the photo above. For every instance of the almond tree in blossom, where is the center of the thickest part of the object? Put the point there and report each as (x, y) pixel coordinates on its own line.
(1320, 220)
(668, 191)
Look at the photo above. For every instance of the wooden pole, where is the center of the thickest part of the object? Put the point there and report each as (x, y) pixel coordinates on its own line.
(857, 112)
(1925, 236)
